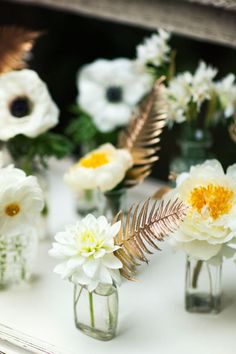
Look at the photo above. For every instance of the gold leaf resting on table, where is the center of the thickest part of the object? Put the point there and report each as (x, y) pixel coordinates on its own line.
(15, 44)
(143, 134)
(142, 228)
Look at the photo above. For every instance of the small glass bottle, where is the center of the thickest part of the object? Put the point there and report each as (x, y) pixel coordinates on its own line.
(96, 312)
(194, 147)
(17, 254)
(114, 201)
(202, 287)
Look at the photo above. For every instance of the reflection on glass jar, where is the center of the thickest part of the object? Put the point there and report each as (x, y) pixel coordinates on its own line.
(17, 254)
(96, 312)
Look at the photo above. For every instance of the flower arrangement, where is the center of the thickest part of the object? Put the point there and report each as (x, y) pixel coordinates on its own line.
(27, 109)
(208, 231)
(21, 202)
(113, 169)
(111, 90)
(187, 94)
(96, 253)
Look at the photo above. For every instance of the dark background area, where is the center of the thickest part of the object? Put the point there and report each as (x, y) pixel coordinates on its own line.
(71, 40)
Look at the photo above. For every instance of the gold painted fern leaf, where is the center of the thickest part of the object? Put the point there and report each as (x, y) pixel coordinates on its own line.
(142, 135)
(15, 43)
(142, 228)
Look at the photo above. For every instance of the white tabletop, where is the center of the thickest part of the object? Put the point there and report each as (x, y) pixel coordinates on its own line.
(152, 318)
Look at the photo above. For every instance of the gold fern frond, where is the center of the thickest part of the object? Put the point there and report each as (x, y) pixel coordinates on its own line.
(142, 135)
(15, 43)
(142, 228)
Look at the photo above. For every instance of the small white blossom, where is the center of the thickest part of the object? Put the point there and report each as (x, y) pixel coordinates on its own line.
(226, 92)
(154, 50)
(25, 104)
(87, 252)
(202, 83)
(109, 90)
(103, 168)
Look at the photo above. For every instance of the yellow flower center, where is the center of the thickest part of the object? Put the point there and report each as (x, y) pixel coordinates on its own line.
(217, 199)
(12, 209)
(94, 160)
(88, 242)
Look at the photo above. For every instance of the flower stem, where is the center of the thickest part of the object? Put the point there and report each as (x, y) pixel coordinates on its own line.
(91, 309)
(196, 273)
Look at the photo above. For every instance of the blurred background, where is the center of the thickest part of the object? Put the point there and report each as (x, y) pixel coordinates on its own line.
(71, 40)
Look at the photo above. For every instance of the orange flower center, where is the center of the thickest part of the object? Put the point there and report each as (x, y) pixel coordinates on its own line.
(94, 160)
(12, 209)
(216, 199)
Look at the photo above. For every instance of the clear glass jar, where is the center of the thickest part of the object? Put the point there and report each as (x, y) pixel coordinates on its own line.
(194, 146)
(114, 201)
(202, 287)
(96, 312)
(88, 201)
(17, 254)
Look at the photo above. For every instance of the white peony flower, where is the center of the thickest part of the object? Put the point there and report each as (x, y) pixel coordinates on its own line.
(103, 168)
(109, 91)
(25, 104)
(154, 50)
(87, 251)
(226, 92)
(21, 200)
(211, 220)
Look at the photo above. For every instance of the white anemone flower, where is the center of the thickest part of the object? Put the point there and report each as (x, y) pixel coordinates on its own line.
(103, 168)
(154, 50)
(25, 104)
(109, 90)
(226, 92)
(87, 252)
(211, 220)
(21, 200)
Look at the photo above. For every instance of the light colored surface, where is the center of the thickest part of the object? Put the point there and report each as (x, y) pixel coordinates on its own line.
(152, 318)
(203, 19)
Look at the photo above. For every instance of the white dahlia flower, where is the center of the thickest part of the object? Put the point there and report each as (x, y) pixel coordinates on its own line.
(87, 252)
(103, 168)
(109, 90)
(211, 219)
(21, 200)
(25, 104)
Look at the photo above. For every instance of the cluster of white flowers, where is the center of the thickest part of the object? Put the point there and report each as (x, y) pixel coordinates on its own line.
(87, 252)
(109, 90)
(154, 50)
(226, 93)
(209, 227)
(186, 89)
(25, 104)
(21, 201)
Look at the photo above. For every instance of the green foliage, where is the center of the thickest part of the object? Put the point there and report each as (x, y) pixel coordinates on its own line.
(82, 130)
(44, 146)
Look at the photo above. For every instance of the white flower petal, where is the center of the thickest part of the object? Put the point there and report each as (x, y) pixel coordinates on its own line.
(110, 261)
(91, 266)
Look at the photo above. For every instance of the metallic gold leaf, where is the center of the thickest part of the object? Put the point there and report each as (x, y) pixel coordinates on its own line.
(143, 134)
(15, 44)
(142, 228)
